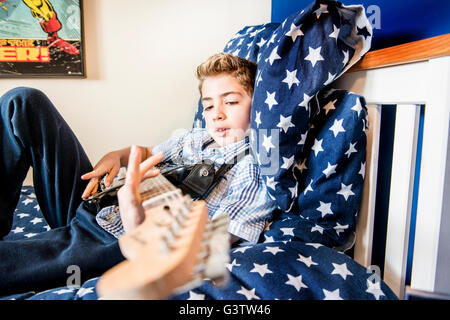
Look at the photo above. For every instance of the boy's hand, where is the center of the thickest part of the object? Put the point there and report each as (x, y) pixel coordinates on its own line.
(109, 164)
(130, 207)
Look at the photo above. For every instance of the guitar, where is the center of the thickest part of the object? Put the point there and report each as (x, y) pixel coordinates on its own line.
(173, 250)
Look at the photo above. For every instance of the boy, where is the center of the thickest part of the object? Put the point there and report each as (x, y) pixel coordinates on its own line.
(33, 132)
(226, 87)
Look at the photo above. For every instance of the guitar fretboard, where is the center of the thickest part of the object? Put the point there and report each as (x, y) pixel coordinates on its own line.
(158, 190)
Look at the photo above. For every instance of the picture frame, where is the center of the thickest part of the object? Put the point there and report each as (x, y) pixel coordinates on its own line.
(41, 39)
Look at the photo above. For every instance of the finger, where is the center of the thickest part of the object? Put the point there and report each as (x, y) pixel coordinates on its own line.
(133, 172)
(92, 174)
(150, 174)
(90, 188)
(151, 162)
(111, 175)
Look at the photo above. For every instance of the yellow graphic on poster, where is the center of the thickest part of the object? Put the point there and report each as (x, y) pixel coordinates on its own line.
(41, 38)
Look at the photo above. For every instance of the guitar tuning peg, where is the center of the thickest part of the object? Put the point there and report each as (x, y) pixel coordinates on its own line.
(203, 254)
(199, 269)
(215, 268)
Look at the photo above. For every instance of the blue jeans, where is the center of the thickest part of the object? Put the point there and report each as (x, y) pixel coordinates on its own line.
(33, 133)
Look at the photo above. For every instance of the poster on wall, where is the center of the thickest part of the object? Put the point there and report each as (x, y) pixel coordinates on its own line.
(41, 38)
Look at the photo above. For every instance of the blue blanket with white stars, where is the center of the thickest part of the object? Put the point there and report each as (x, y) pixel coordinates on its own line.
(269, 270)
(310, 143)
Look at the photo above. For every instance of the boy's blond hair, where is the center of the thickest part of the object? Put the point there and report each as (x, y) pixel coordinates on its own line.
(243, 70)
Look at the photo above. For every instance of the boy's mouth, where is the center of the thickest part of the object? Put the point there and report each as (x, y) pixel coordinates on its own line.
(221, 131)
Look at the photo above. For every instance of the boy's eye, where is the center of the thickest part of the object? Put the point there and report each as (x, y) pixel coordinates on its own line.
(231, 102)
(206, 108)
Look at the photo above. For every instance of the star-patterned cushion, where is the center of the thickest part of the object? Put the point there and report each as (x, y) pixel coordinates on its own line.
(305, 165)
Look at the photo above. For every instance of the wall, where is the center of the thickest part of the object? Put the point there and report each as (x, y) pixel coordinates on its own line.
(140, 62)
(394, 22)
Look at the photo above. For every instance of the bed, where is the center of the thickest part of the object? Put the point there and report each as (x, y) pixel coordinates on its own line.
(319, 244)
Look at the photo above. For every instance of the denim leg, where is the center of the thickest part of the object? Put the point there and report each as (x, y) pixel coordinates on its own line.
(43, 262)
(33, 133)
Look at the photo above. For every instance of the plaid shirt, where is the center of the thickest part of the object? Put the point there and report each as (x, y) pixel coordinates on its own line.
(241, 194)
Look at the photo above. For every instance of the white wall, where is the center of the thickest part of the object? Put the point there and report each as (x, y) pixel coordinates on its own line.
(140, 63)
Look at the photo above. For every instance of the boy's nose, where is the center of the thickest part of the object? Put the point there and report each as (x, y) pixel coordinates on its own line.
(219, 115)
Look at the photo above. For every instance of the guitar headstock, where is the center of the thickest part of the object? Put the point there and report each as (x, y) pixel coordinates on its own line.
(174, 247)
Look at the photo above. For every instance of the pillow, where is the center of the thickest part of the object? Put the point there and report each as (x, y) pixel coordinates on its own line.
(303, 55)
(329, 174)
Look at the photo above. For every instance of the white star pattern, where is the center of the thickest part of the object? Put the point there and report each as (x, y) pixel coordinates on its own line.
(340, 228)
(294, 191)
(314, 56)
(335, 32)
(271, 183)
(36, 220)
(351, 149)
(346, 191)
(274, 55)
(294, 32)
(63, 290)
(83, 291)
(287, 231)
(30, 235)
(329, 170)
(285, 123)
(317, 147)
(357, 107)
(362, 171)
(291, 78)
(303, 138)
(27, 201)
(242, 249)
(267, 143)
(261, 269)
(346, 57)
(273, 250)
(18, 229)
(325, 208)
(337, 127)
(196, 296)
(305, 101)
(306, 260)
(330, 79)
(374, 288)
(270, 100)
(258, 119)
(231, 265)
(317, 228)
(249, 294)
(261, 42)
(23, 215)
(296, 282)
(341, 269)
(308, 188)
(331, 295)
(287, 162)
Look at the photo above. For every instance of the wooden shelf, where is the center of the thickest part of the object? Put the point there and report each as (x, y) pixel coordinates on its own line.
(405, 53)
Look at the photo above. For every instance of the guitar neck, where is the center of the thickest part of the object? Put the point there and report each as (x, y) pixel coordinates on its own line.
(174, 248)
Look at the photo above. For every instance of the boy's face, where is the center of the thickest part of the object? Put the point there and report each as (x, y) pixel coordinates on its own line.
(226, 108)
